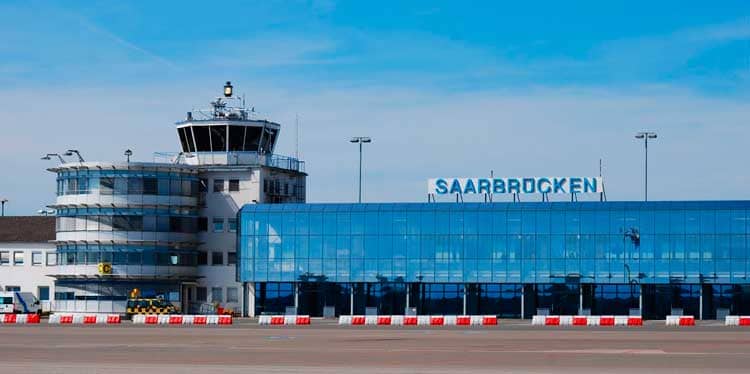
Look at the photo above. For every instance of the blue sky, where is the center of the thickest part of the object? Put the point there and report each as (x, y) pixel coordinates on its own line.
(444, 88)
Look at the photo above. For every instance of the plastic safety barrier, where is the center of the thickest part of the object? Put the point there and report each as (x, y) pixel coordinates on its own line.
(284, 320)
(401, 320)
(586, 321)
(181, 319)
(680, 321)
(737, 321)
(19, 319)
(84, 319)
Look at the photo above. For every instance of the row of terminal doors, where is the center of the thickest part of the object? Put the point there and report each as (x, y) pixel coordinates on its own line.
(506, 301)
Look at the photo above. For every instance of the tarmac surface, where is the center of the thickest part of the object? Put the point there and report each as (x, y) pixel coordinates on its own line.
(324, 347)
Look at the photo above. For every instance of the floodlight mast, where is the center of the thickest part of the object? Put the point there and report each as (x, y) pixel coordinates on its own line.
(360, 140)
(645, 135)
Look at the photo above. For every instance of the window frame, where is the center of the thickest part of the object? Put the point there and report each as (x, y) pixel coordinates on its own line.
(213, 258)
(51, 255)
(235, 183)
(215, 221)
(214, 293)
(218, 185)
(235, 295)
(15, 260)
(41, 258)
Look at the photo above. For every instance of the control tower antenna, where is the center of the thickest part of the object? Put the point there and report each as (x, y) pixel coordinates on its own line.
(296, 134)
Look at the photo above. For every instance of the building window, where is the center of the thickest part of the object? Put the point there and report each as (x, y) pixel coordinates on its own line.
(232, 258)
(4, 257)
(232, 295)
(12, 288)
(218, 224)
(218, 185)
(217, 295)
(202, 258)
(202, 223)
(43, 293)
(217, 258)
(36, 258)
(234, 185)
(232, 223)
(51, 258)
(18, 258)
(201, 294)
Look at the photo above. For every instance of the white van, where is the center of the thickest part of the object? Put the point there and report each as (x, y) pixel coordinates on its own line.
(19, 302)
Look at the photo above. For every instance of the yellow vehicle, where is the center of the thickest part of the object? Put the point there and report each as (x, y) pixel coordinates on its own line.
(143, 305)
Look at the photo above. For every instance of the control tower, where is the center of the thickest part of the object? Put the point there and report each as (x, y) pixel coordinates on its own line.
(168, 228)
(233, 151)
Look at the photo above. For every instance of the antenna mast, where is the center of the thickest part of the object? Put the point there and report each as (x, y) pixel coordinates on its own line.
(296, 133)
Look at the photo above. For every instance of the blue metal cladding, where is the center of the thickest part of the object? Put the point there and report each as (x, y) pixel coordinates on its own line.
(590, 242)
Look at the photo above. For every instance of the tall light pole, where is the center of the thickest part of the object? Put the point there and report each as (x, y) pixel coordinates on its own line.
(361, 140)
(2, 202)
(645, 135)
(49, 157)
(70, 152)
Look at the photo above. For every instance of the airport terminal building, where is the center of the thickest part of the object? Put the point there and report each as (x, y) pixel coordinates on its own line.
(510, 259)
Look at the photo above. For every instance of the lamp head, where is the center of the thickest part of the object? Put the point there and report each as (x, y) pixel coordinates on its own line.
(46, 157)
(128, 152)
(228, 89)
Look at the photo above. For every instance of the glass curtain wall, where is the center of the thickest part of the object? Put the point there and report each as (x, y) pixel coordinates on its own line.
(673, 247)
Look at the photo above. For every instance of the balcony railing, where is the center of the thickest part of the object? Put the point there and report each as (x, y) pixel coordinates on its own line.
(231, 158)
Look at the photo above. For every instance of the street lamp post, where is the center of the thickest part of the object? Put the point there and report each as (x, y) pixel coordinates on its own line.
(360, 140)
(645, 135)
(49, 157)
(70, 152)
(2, 202)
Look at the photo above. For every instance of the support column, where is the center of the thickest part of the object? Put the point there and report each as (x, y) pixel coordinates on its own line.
(523, 301)
(296, 298)
(250, 299)
(580, 299)
(351, 299)
(465, 287)
(640, 301)
(700, 303)
(407, 299)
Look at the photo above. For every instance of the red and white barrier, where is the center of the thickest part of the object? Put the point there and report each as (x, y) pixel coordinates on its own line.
(292, 320)
(180, 319)
(400, 320)
(19, 319)
(737, 321)
(680, 321)
(84, 319)
(587, 321)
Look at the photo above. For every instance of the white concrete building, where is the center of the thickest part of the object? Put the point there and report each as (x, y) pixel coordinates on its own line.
(27, 256)
(169, 227)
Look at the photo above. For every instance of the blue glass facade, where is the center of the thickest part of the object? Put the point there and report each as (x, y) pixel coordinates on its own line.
(140, 218)
(658, 255)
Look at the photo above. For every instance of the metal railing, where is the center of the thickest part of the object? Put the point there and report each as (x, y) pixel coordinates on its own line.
(230, 158)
